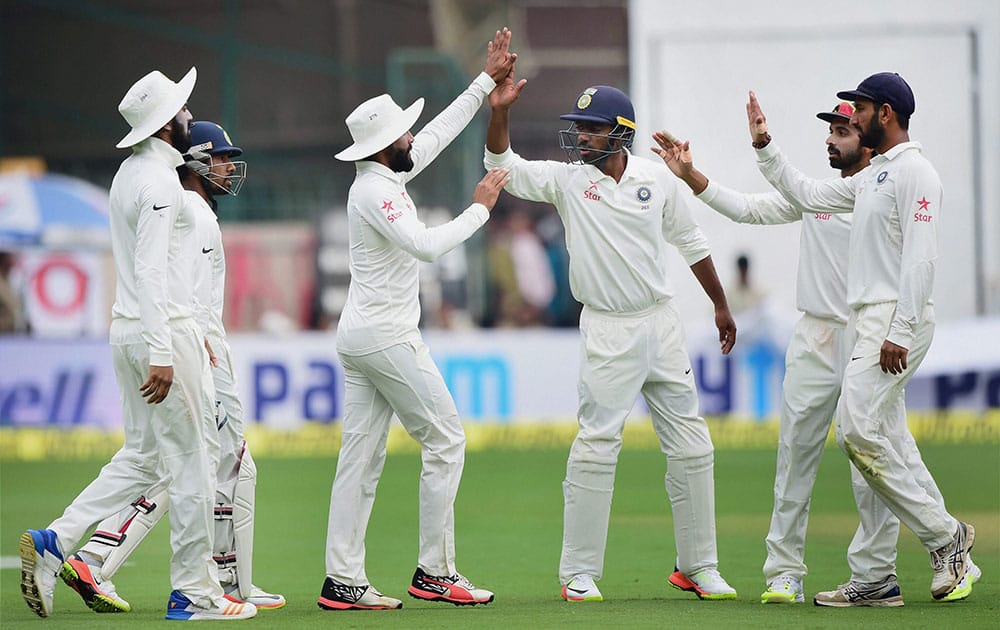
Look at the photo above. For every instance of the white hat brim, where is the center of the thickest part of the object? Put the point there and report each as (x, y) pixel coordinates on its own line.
(164, 113)
(374, 144)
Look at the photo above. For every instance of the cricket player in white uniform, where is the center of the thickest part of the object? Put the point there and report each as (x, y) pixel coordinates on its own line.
(208, 171)
(893, 248)
(620, 213)
(161, 365)
(387, 366)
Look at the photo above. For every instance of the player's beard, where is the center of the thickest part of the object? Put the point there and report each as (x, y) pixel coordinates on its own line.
(400, 161)
(846, 159)
(180, 136)
(874, 135)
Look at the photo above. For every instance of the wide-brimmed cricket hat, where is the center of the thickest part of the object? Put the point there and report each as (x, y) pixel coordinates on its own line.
(377, 123)
(152, 102)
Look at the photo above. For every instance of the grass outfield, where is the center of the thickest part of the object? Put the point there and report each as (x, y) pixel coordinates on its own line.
(509, 524)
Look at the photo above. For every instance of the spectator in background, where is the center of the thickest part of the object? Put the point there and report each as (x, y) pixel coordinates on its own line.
(521, 272)
(12, 319)
(744, 296)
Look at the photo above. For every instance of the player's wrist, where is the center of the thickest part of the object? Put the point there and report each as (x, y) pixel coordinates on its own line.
(761, 142)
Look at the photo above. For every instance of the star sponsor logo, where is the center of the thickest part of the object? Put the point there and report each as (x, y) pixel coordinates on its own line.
(391, 214)
(592, 192)
(923, 207)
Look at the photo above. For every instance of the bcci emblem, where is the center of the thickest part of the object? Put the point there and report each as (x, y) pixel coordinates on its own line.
(584, 101)
(882, 176)
(643, 194)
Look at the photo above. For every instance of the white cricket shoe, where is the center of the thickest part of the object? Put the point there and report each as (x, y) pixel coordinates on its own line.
(40, 562)
(783, 589)
(884, 593)
(706, 584)
(180, 608)
(339, 596)
(582, 589)
(258, 597)
(951, 562)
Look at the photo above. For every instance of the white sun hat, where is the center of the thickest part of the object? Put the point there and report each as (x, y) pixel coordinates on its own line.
(377, 123)
(152, 102)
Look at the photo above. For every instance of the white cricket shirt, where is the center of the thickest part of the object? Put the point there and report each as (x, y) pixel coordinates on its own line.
(616, 232)
(150, 231)
(821, 284)
(387, 239)
(893, 246)
(210, 268)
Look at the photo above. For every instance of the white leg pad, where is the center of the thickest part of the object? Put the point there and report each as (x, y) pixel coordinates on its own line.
(116, 538)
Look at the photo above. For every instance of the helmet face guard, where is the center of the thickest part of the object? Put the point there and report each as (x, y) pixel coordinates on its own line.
(569, 140)
(202, 163)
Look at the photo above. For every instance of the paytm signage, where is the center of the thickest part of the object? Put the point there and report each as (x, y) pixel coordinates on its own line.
(494, 376)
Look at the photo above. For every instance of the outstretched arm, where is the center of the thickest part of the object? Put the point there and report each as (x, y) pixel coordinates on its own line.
(506, 93)
(762, 208)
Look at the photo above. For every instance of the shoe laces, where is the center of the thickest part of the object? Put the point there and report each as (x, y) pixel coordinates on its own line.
(784, 583)
(707, 576)
(582, 581)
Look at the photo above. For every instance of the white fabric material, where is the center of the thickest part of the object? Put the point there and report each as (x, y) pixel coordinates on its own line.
(210, 269)
(621, 357)
(821, 282)
(134, 524)
(388, 240)
(401, 379)
(376, 124)
(871, 425)
(152, 102)
(616, 232)
(150, 237)
(179, 432)
(897, 204)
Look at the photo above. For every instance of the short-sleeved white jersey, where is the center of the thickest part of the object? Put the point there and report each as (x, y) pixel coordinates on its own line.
(821, 282)
(616, 232)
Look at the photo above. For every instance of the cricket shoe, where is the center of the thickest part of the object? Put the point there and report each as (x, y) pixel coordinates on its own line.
(258, 597)
(99, 595)
(180, 608)
(884, 593)
(454, 589)
(783, 589)
(582, 589)
(339, 596)
(706, 584)
(974, 572)
(40, 562)
(951, 562)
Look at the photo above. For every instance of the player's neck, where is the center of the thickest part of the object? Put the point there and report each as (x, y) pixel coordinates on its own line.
(614, 165)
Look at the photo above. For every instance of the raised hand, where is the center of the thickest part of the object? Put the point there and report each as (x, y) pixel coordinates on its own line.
(507, 91)
(675, 154)
(488, 188)
(499, 59)
(757, 121)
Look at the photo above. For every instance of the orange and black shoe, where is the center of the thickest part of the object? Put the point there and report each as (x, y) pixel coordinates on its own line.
(453, 589)
(339, 596)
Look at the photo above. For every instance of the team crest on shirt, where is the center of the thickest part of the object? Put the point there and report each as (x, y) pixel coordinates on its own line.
(644, 194)
(881, 176)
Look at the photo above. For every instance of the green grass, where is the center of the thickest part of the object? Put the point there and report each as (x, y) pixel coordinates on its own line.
(509, 528)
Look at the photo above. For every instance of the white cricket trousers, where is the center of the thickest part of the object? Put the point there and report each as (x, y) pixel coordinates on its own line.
(178, 434)
(871, 425)
(814, 369)
(623, 355)
(228, 416)
(401, 379)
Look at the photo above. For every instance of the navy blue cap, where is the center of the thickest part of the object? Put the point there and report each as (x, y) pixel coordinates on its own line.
(211, 138)
(884, 87)
(605, 105)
